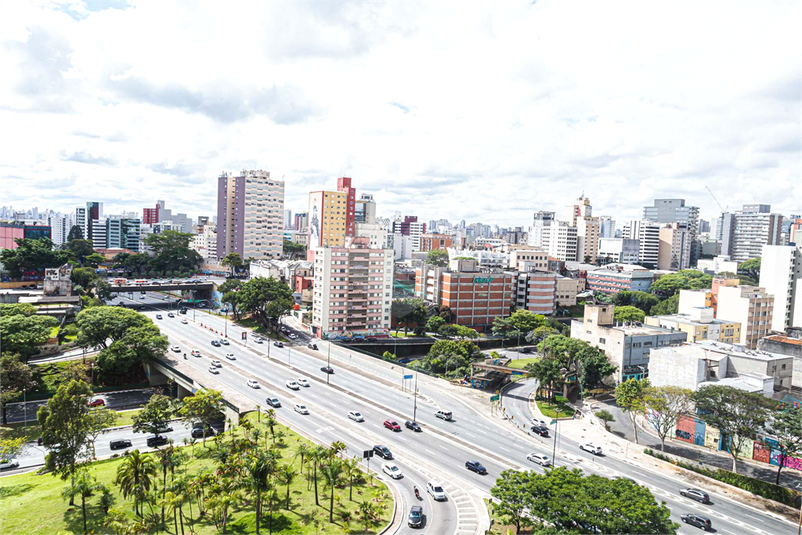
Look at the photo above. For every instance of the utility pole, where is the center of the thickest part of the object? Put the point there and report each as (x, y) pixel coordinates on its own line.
(415, 398)
(554, 448)
(328, 365)
(25, 408)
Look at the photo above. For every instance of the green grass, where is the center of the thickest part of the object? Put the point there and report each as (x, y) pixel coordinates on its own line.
(551, 409)
(520, 364)
(32, 503)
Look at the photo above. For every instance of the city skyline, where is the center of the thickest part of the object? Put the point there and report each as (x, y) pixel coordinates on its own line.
(438, 113)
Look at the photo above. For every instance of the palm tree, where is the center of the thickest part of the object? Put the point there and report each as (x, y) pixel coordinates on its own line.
(258, 471)
(286, 476)
(271, 423)
(367, 510)
(256, 435)
(337, 447)
(83, 486)
(135, 477)
(333, 473)
(317, 455)
(302, 451)
(168, 461)
(351, 467)
(171, 501)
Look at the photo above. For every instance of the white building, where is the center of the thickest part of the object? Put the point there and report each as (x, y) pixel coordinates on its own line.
(205, 242)
(781, 276)
(375, 233)
(99, 233)
(60, 226)
(674, 249)
(648, 236)
(719, 264)
(619, 250)
(484, 257)
(745, 232)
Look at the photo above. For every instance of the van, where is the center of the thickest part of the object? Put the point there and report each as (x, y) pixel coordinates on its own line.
(445, 415)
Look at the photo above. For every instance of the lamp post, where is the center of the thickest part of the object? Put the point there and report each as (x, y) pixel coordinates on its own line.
(415, 398)
(25, 409)
(328, 365)
(226, 325)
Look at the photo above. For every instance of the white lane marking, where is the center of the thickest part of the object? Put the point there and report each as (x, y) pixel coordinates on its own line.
(756, 518)
(430, 452)
(503, 449)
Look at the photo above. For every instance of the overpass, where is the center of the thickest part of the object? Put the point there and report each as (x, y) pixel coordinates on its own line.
(134, 285)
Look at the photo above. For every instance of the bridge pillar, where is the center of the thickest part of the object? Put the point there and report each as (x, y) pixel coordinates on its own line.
(155, 377)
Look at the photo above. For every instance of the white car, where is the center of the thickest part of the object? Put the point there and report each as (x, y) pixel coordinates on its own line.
(436, 491)
(230, 356)
(292, 336)
(253, 383)
(195, 353)
(214, 370)
(184, 321)
(176, 349)
(9, 463)
(301, 409)
(392, 470)
(258, 340)
(356, 416)
(216, 363)
(303, 382)
(292, 385)
(591, 448)
(539, 458)
(535, 421)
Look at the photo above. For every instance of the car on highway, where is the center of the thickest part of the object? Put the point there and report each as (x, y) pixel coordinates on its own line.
(184, 321)
(392, 470)
(253, 383)
(540, 430)
(445, 415)
(539, 458)
(273, 402)
(182, 310)
(312, 346)
(356, 416)
(215, 343)
(327, 369)
(197, 432)
(119, 444)
(158, 316)
(258, 340)
(170, 315)
(292, 336)
(230, 356)
(303, 382)
(176, 349)
(695, 494)
(383, 452)
(292, 385)
(476, 466)
(9, 463)
(536, 421)
(301, 409)
(436, 491)
(163, 429)
(392, 425)
(278, 344)
(591, 448)
(415, 519)
(415, 426)
(156, 440)
(214, 370)
(97, 402)
(216, 363)
(224, 341)
(195, 353)
(699, 521)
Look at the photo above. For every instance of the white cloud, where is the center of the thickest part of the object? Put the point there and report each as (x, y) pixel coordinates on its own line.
(479, 112)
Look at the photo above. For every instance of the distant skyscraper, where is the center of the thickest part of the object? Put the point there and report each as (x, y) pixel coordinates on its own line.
(250, 212)
(301, 221)
(745, 232)
(606, 227)
(648, 235)
(675, 211)
(704, 226)
(288, 219)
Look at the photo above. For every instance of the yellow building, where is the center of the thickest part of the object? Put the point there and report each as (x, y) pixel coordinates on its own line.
(699, 325)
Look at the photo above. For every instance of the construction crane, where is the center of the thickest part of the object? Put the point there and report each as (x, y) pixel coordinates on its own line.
(723, 210)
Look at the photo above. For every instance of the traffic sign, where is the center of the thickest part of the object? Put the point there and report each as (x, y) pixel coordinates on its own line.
(408, 376)
(553, 422)
(367, 454)
(244, 335)
(494, 398)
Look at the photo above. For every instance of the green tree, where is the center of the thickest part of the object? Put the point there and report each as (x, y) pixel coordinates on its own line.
(204, 406)
(666, 307)
(448, 330)
(136, 262)
(16, 377)
(293, 250)
(434, 323)
(267, 299)
(286, 475)
(512, 492)
(230, 290)
(687, 279)
(136, 476)
(32, 255)
(606, 417)
(99, 325)
(546, 371)
(155, 415)
(258, 471)
(84, 486)
(737, 414)
(232, 260)
(17, 309)
(76, 233)
(667, 404)
(100, 419)
(171, 251)
(750, 268)
(80, 249)
(786, 427)
(65, 425)
(643, 300)
(11, 447)
(409, 312)
(519, 323)
(138, 346)
(628, 314)
(630, 395)
(84, 277)
(437, 257)
(332, 474)
(466, 333)
(21, 334)
(95, 259)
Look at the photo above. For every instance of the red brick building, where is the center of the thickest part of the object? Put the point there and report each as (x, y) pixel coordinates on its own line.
(435, 241)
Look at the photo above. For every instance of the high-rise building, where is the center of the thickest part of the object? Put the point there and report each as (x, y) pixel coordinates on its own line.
(99, 232)
(587, 239)
(750, 306)
(674, 250)
(288, 222)
(781, 276)
(331, 217)
(353, 290)
(365, 209)
(540, 222)
(648, 236)
(745, 232)
(205, 242)
(675, 211)
(123, 232)
(619, 250)
(606, 227)
(410, 226)
(85, 215)
(301, 221)
(150, 216)
(434, 241)
(60, 226)
(250, 209)
(576, 211)
(704, 226)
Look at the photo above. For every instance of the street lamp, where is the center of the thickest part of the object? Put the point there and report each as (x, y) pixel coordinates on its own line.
(328, 365)
(415, 398)
(226, 325)
(25, 409)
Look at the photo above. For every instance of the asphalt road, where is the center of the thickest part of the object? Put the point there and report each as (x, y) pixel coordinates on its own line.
(121, 400)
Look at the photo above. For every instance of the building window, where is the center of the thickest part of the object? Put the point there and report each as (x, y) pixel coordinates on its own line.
(602, 340)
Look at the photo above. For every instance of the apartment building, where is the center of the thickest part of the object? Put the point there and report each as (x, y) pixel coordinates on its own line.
(475, 297)
(205, 242)
(567, 290)
(615, 278)
(619, 250)
(435, 241)
(628, 346)
(781, 276)
(699, 325)
(588, 229)
(365, 210)
(790, 344)
(674, 248)
(745, 232)
(353, 290)
(410, 226)
(332, 217)
(526, 258)
(250, 213)
(536, 291)
(718, 264)
(750, 306)
(674, 212)
(648, 235)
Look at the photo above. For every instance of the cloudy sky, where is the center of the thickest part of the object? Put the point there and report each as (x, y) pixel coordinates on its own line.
(463, 110)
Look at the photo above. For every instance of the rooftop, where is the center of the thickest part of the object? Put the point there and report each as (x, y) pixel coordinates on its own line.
(740, 351)
(687, 318)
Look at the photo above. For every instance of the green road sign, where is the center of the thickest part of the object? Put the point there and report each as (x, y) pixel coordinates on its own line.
(493, 398)
(553, 422)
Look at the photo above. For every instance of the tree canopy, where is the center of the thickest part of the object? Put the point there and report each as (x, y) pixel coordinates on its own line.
(643, 300)
(630, 395)
(100, 325)
(154, 415)
(666, 405)
(409, 312)
(666, 307)
(204, 406)
(437, 257)
(628, 314)
(267, 299)
(293, 250)
(750, 268)
(686, 279)
(20, 333)
(572, 358)
(519, 323)
(786, 427)
(171, 251)
(32, 254)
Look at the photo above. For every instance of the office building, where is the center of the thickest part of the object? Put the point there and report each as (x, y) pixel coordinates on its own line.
(674, 247)
(301, 221)
(781, 276)
(331, 217)
(205, 243)
(365, 209)
(615, 278)
(648, 236)
(745, 232)
(628, 346)
(84, 215)
(699, 325)
(60, 226)
(288, 221)
(587, 229)
(750, 306)
(433, 241)
(250, 211)
(352, 293)
(528, 258)
(410, 226)
(674, 211)
(123, 232)
(606, 227)
(475, 297)
(99, 231)
(376, 235)
(536, 236)
(20, 231)
(160, 214)
(619, 250)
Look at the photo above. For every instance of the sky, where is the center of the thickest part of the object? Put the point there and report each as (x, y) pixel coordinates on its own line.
(459, 110)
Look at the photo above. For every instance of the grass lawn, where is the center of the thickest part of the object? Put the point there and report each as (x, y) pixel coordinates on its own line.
(410, 334)
(33, 504)
(551, 409)
(520, 364)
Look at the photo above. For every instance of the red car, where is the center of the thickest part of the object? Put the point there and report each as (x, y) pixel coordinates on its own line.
(392, 424)
(99, 402)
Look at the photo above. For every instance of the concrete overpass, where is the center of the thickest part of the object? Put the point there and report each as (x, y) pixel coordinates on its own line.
(155, 286)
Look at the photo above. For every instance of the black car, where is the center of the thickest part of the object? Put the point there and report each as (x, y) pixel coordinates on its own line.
(312, 346)
(120, 443)
(695, 494)
(156, 440)
(415, 519)
(215, 343)
(540, 430)
(197, 432)
(409, 424)
(182, 310)
(476, 466)
(273, 402)
(278, 344)
(698, 521)
(383, 452)
(327, 369)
